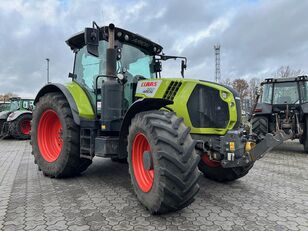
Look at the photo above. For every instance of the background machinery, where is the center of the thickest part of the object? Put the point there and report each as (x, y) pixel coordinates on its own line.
(118, 106)
(16, 120)
(283, 106)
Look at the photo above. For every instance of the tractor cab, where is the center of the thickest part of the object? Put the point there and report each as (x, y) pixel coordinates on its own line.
(17, 103)
(136, 58)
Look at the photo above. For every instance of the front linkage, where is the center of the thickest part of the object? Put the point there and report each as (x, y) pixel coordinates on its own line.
(241, 149)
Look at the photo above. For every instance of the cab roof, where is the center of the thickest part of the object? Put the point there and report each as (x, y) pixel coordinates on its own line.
(77, 41)
(282, 80)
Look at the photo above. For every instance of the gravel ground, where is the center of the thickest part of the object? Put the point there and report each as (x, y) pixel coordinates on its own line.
(273, 196)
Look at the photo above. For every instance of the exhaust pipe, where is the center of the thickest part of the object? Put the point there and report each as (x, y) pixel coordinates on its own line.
(111, 91)
(111, 55)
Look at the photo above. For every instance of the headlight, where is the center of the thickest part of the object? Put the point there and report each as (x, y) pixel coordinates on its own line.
(224, 95)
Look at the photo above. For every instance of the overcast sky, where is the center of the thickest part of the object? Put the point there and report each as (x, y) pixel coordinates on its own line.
(256, 37)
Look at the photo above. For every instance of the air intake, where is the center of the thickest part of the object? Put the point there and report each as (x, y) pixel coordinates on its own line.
(172, 89)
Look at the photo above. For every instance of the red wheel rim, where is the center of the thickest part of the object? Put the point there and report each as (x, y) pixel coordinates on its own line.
(25, 127)
(210, 163)
(49, 134)
(144, 177)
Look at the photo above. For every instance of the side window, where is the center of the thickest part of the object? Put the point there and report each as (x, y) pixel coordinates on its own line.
(267, 93)
(87, 66)
(304, 91)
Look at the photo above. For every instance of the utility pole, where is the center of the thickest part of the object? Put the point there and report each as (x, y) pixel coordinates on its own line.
(217, 63)
(47, 59)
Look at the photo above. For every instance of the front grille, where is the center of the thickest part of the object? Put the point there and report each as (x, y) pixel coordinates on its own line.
(172, 89)
(206, 109)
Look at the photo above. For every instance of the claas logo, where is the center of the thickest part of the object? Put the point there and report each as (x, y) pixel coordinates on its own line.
(148, 84)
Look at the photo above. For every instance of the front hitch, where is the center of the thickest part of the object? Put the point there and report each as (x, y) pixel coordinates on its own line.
(242, 157)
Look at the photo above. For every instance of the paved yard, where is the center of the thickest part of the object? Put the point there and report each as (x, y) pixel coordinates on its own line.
(273, 196)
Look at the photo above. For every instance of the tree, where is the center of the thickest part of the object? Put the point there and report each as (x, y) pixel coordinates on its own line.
(241, 86)
(227, 82)
(7, 96)
(254, 83)
(286, 71)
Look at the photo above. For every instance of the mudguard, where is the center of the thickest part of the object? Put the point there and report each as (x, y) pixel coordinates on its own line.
(4, 115)
(56, 87)
(14, 115)
(144, 104)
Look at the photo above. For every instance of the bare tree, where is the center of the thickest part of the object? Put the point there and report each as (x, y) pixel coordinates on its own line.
(241, 86)
(286, 71)
(6, 97)
(254, 83)
(227, 82)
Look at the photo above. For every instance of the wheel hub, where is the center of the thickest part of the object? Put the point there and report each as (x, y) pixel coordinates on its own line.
(49, 135)
(147, 160)
(142, 162)
(25, 127)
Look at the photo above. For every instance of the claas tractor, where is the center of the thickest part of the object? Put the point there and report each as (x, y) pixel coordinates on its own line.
(283, 105)
(118, 106)
(15, 121)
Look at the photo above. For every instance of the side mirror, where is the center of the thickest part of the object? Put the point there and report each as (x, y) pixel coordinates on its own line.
(183, 67)
(91, 38)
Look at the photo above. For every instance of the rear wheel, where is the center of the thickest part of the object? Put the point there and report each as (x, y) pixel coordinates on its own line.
(260, 125)
(214, 171)
(162, 161)
(21, 127)
(55, 138)
(305, 138)
(2, 121)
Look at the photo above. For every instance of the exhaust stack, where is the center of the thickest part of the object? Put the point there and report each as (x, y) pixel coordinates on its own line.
(112, 90)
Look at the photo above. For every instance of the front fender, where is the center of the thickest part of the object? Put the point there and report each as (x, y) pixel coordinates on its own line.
(56, 87)
(144, 104)
(14, 115)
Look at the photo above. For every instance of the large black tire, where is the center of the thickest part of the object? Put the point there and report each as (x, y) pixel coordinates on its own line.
(20, 128)
(260, 125)
(118, 160)
(216, 172)
(173, 158)
(2, 121)
(305, 137)
(55, 138)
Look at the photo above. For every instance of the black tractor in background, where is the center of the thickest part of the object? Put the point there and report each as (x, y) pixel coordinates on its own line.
(283, 105)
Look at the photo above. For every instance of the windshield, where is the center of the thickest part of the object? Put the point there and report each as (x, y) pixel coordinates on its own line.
(135, 62)
(286, 93)
(267, 93)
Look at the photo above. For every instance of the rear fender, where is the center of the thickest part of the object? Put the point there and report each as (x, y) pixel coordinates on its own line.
(4, 115)
(141, 105)
(55, 87)
(263, 109)
(14, 115)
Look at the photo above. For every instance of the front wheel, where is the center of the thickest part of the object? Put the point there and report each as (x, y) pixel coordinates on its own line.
(260, 125)
(214, 171)
(55, 138)
(162, 161)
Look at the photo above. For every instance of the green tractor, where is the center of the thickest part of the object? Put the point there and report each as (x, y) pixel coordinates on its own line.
(15, 121)
(117, 106)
